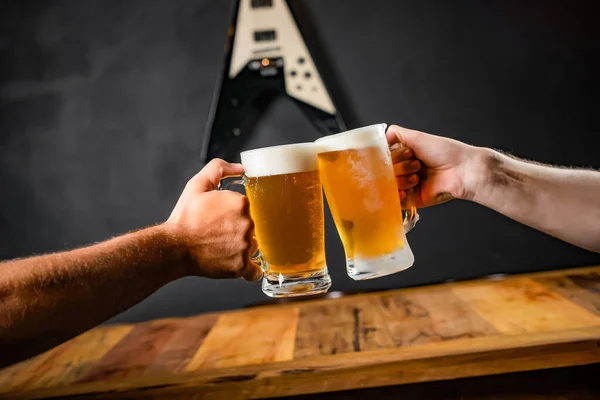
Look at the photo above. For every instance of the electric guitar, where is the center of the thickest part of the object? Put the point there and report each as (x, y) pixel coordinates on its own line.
(266, 56)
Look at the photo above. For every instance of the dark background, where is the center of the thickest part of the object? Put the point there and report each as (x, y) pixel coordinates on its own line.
(103, 105)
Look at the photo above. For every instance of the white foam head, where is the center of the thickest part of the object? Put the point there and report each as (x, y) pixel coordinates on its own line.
(367, 136)
(277, 160)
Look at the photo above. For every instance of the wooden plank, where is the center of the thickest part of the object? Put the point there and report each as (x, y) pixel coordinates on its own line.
(340, 327)
(583, 289)
(8, 374)
(14, 375)
(134, 353)
(262, 335)
(386, 321)
(523, 306)
(78, 357)
(184, 343)
(17, 375)
(370, 327)
(428, 362)
(434, 315)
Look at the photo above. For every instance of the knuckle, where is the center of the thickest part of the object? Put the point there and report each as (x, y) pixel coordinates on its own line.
(192, 181)
(250, 224)
(402, 183)
(242, 234)
(247, 225)
(216, 164)
(242, 203)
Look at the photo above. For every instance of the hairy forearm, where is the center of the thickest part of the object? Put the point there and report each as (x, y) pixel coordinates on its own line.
(48, 299)
(562, 202)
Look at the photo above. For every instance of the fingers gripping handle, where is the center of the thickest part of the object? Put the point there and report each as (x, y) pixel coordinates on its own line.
(410, 216)
(225, 184)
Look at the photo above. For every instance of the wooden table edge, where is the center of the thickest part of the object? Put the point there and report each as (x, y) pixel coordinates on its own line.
(429, 362)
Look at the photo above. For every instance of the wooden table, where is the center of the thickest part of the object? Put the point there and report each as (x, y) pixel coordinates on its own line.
(441, 332)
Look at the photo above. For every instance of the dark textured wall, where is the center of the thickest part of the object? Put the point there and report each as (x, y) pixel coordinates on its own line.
(103, 105)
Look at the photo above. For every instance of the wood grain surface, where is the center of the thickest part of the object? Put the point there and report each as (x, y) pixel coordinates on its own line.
(433, 333)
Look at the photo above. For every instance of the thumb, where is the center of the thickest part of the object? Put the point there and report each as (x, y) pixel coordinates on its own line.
(209, 177)
(407, 137)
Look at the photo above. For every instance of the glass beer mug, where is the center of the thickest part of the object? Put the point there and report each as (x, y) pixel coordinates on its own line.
(358, 177)
(286, 203)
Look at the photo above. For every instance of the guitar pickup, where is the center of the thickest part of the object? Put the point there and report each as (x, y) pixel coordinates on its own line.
(265, 36)
(262, 3)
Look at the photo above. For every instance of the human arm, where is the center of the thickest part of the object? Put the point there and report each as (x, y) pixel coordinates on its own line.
(562, 202)
(45, 300)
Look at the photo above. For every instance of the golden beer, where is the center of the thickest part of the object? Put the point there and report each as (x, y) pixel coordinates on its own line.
(287, 210)
(360, 186)
(364, 202)
(286, 204)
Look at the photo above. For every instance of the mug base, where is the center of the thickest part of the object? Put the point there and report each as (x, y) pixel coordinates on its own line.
(361, 269)
(279, 285)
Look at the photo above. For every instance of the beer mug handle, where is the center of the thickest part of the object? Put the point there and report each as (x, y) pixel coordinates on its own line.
(229, 181)
(225, 184)
(410, 216)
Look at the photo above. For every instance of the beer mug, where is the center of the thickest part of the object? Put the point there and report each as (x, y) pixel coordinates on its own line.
(358, 177)
(286, 203)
